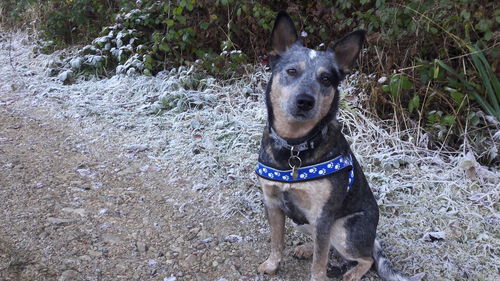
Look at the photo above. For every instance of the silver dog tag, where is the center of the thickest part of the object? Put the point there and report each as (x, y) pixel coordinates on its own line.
(295, 172)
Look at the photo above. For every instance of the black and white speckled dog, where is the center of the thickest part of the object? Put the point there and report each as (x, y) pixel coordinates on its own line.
(302, 131)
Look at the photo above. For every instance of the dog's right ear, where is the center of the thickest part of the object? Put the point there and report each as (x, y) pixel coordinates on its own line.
(284, 33)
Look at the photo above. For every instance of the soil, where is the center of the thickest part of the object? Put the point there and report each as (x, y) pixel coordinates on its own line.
(74, 210)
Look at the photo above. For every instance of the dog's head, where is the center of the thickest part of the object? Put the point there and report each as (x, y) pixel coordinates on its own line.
(304, 82)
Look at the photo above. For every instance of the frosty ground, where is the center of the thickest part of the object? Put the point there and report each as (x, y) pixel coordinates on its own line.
(151, 178)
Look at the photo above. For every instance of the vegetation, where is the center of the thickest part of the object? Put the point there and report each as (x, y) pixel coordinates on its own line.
(440, 57)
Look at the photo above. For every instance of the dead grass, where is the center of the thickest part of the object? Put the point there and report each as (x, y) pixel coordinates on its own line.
(211, 135)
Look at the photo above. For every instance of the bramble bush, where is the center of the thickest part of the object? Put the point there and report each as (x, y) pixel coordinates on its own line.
(423, 47)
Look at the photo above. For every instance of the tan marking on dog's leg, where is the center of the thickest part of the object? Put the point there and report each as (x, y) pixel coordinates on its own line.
(276, 219)
(304, 251)
(320, 259)
(339, 235)
(355, 273)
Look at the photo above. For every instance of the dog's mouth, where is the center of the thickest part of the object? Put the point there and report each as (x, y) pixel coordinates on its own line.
(301, 115)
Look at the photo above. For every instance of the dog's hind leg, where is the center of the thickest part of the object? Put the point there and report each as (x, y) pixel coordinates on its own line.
(353, 240)
(355, 273)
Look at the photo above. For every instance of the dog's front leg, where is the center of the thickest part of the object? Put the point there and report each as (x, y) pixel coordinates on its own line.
(321, 250)
(276, 219)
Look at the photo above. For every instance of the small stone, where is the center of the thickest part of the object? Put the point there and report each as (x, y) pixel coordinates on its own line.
(152, 262)
(111, 239)
(68, 275)
(76, 63)
(434, 236)
(85, 172)
(382, 80)
(141, 247)
(93, 253)
(199, 186)
(79, 211)
(171, 278)
(39, 185)
(85, 258)
(65, 76)
(137, 148)
(131, 72)
(59, 220)
(233, 238)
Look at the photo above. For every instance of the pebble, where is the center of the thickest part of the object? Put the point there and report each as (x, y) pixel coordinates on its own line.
(111, 239)
(382, 80)
(199, 186)
(68, 275)
(65, 76)
(141, 247)
(85, 172)
(136, 148)
(171, 278)
(59, 220)
(233, 238)
(79, 211)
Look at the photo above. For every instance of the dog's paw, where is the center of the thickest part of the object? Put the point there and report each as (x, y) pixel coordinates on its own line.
(349, 276)
(321, 277)
(304, 251)
(268, 267)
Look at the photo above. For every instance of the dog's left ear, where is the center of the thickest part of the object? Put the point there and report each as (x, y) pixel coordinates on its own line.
(347, 49)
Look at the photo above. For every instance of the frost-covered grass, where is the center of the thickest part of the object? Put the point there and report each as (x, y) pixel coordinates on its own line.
(439, 210)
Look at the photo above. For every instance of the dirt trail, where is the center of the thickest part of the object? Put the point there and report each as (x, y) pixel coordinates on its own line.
(77, 211)
(73, 208)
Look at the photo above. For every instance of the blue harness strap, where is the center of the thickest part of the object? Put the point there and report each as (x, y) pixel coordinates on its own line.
(309, 172)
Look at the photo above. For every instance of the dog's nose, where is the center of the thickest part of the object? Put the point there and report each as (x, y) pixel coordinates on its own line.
(305, 102)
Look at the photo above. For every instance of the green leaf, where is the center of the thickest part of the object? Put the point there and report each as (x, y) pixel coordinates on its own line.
(164, 47)
(465, 14)
(178, 11)
(180, 19)
(448, 120)
(398, 83)
(456, 96)
(169, 22)
(414, 103)
(204, 25)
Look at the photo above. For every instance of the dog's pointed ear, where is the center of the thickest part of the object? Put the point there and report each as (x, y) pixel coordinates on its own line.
(347, 49)
(284, 33)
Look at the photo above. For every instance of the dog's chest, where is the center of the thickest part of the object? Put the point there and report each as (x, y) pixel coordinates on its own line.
(302, 202)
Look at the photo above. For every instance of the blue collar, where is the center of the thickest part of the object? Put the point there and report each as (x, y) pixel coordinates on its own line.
(309, 172)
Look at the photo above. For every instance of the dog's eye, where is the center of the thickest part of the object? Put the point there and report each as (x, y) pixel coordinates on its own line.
(291, 71)
(325, 79)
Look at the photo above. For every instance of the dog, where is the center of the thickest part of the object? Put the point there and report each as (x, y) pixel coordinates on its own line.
(306, 168)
